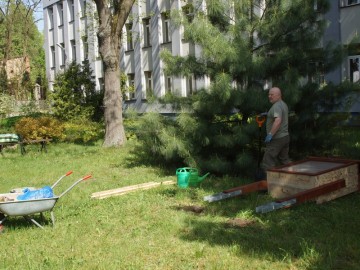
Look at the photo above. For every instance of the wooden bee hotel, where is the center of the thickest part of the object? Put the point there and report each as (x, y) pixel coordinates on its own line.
(312, 174)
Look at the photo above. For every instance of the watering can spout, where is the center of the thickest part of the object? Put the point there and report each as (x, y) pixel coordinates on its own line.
(201, 178)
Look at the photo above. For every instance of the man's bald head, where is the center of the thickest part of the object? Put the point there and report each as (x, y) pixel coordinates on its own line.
(274, 94)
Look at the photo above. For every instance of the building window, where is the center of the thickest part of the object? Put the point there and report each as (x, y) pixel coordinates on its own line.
(84, 40)
(345, 3)
(131, 86)
(61, 14)
(148, 84)
(189, 86)
(147, 36)
(101, 83)
(83, 8)
(51, 18)
(188, 11)
(73, 49)
(354, 68)
(62, 54)
(71, 10)
(52, 51)
(166, 27)
(259, 8)
(353, 2)
(168, 84)
(129, 37)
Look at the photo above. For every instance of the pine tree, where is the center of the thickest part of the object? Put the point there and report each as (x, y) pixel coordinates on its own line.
(74, 94)
(243, 45)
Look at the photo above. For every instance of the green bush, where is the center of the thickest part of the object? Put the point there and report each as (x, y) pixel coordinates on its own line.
(132, 122)
(6, 104)
(30, 128)
(82, 131)
(7, 125)
(75, 95)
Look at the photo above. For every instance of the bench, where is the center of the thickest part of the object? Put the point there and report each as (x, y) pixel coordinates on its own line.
(12, 139)
(42, 142)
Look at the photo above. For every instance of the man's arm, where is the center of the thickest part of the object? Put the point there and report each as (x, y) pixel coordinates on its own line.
(276, 125)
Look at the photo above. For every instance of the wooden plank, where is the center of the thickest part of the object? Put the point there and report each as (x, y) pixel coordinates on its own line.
(256, 186)
(119, 190)
(315, 192)
(125, 190)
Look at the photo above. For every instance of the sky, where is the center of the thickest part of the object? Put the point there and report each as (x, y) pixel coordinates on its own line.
(39, 18)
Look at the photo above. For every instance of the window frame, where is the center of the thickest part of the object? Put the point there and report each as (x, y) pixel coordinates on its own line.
(85, 46)
(53, 57)
(148, 84)
(165, 18)
(130, 84)
(71, 10)
(147, 32)
(73, 49)
(347, 3)
(356, 59)
(129, 37)
(60, 8)
(51, 17)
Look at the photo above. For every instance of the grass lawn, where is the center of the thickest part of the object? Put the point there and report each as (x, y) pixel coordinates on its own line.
(159, 228)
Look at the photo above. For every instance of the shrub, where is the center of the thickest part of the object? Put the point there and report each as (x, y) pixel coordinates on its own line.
(6, 104)
(82, 131)
(30, 128)
(75, 94)
(7, 125)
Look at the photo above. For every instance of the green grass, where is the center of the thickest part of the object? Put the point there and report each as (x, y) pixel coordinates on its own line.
(153, 229)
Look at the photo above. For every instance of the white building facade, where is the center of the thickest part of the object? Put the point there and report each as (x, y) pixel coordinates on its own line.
(344, 28)
(70, 35)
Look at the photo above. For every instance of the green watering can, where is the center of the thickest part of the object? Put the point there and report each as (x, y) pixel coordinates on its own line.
(188, 176)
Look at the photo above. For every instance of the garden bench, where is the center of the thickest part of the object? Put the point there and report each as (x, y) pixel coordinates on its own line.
(12, 139)
(42, 142)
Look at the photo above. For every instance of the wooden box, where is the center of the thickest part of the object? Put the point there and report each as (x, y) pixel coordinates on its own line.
(287, 180)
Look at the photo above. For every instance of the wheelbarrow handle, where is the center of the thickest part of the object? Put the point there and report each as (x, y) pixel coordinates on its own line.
(57, 182)
(73, 185)
(86, 177)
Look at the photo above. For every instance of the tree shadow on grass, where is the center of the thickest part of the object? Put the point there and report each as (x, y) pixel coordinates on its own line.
(138, 158)
(316, 236)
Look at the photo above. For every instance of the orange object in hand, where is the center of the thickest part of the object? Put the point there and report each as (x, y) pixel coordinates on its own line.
(260, 120)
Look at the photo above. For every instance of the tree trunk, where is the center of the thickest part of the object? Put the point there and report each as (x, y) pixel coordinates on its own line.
(114, 126)
(110, 52)
(111, 22)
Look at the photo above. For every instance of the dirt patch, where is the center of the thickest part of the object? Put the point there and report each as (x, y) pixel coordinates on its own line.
(191, 208)
(240, 222)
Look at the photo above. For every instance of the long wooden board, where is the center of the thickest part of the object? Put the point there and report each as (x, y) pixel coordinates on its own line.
(125, 190)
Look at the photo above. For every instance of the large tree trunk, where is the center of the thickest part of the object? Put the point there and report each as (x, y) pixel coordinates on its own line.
(111, 23)
(114, 128)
